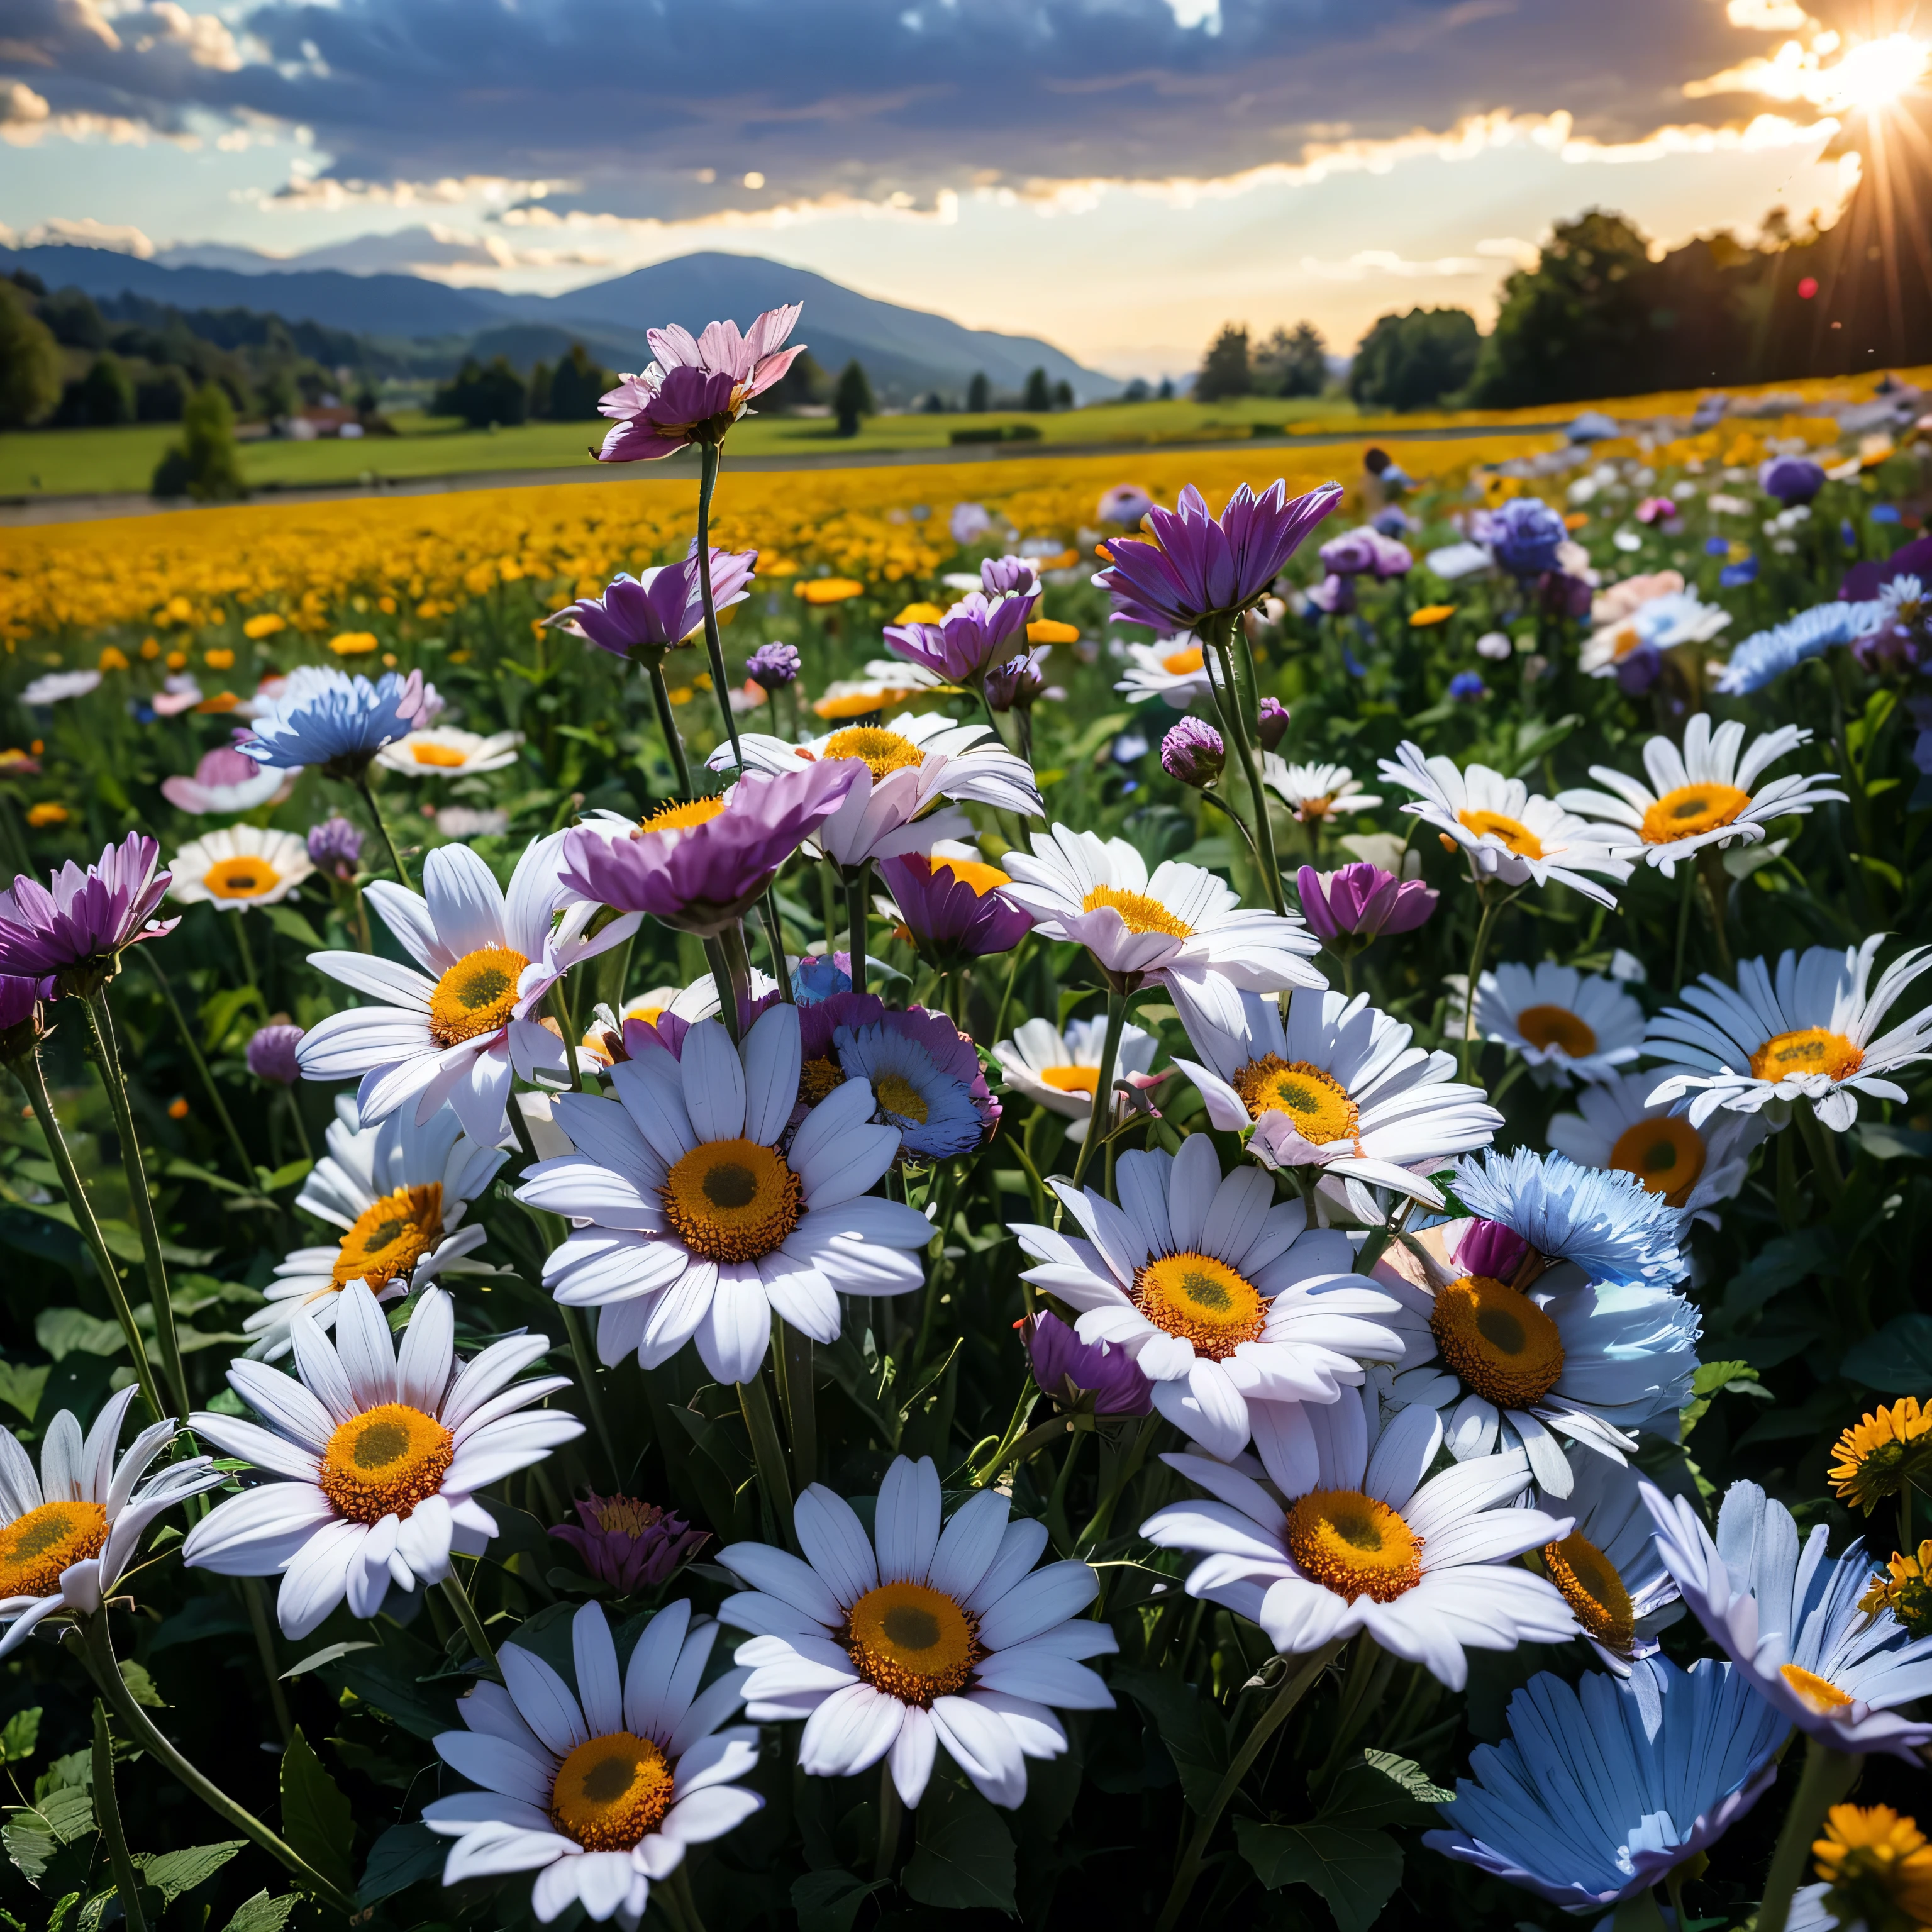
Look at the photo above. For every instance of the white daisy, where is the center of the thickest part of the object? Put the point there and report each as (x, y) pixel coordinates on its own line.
(381, 1456)
(1338, 1086)
(891, 1645)
(1227, 1304)
(239, 866)
(1565, 1023)
(1507, 832)
(1061, 1070)
(1701, 795)
(909, 767)
(1183, 928)
(1173, 670)
(598, 1790)
(70, 1531)
(1805, 1033)
(456, 1030)
(1316, 793)
(693, 1220)
(1522, 1349)
(1692, 1168)
(1608, 1568)
(442, 752)
(1352, 1534)
(399, 1192)
(1661, 623)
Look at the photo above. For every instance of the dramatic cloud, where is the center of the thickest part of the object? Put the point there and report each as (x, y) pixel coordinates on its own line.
(679, 112)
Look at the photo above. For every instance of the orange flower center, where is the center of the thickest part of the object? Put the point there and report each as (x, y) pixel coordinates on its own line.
(1139, 912)
(970, 872)
(880, 750)
(1690, 809)
(1810, 1050)
(1666, 1155)
(912, 1642)
(1183, 664)
(1317, 1103)
(611, 1792)
(1592, 1589)
(1354, 1545)
(1819, 1693)
(244, 877)
(1496, 1341)
(448, 757)
(384, 1461)
(1070, 1079)
(35, 1548)
(477, 995)
(391, 1236)
(1202, 1300)
(680, 815)
(1512, 831)
(1546, 1026)
(732, 1201)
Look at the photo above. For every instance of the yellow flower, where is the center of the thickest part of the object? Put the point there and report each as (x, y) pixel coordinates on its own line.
(1049, 631)
(681, 693)
(218, 660)
(264, 624)
(222, 701)
(459, 657)
(113, 659)
(353, 643)
(150, 650)
(177, 661)
(49, 814)
(1575, 520)
(830, 589)
(1877, 1456)
(1905, 1589)
(1878, 1868)
(920, 613)
(1430, 613)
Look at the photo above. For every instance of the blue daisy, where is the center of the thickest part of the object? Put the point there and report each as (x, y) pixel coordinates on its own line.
(1605, 1221)
(928, 1095)
(1766, 654)
(1597, 1792)
(326, 717)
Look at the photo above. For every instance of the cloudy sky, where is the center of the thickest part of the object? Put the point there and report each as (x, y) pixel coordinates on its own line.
(1119, 175)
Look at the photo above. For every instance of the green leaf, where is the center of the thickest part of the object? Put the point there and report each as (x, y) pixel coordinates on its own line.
(404, 1856)
(1190, 1725)
(140, 1685)
(20, 1387)
(1898, 1361)
(965, 1857)
(290, 924)
(1379, 1788)
(263, 1913)
(829, 1901)
(32, 1836)
(1356, 1871)
(1781, 1264)
(329, 1654)
(61, 1330)
(20, 1736)
(423, 1710)
(316, 1817)
(1710, 1380)
(173, 1874)
(287, 1175)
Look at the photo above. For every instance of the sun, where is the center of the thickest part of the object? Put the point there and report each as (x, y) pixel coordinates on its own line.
(1873, 74)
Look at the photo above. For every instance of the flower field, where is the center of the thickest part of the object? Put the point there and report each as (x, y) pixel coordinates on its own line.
(1087, 1191)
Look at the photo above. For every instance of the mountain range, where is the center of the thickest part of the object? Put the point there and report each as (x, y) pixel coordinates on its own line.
(905, 351)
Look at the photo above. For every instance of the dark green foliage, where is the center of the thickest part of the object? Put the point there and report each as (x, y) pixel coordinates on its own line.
(576, 384)
(1414, 362)
(204, 464)
(1224, 370)
(481, 395)
(852, 401)
(30, 365)
(1292, 364)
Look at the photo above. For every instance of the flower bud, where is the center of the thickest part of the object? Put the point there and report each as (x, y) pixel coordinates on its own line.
(773, 666)
(1192, 752)
(1271, 726)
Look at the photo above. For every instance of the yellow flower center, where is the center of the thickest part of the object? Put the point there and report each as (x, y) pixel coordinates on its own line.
(384, 1461)
(1690, 809)
(1317, 1103)
(912, 1642)
(897, 1095)
(1592, 1589)
(1546, 1026)
(611, 1792)
(1496, 1341)
(448, 757)
(1818, 1693)
(1352, 1544)
(732, 1201)
(817, 1078)
(1319, 806)
(1512, 831)
(1070, 1079)
(477, 995)
(1666, 1155)
(390, 1237)
(879, 750)
(245, 877)
(1879, 1867)
(970, 872)
(1182, 664)
(1881, 1452)
(1138, 913)
(1202, 1300)
(680, 815)
(1810, 1050)
(35, 1548)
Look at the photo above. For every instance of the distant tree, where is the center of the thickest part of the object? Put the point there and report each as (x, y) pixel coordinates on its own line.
(1037, 395)
(536, 405)
(161, 397)
(979, 394)
(1165, 394)
(30, 362)
(1063, 395)
(481, 396)
(102, 397)
(281, 395)
(576, 386)
(852, 399)
(1136, 391)
(75, 320)
(1224, 369)
(1292, 364)
(1412, 361)
(204, 464)
(934, 404)
(803, 386)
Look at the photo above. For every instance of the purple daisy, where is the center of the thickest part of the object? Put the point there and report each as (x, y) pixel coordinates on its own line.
(973, 635)
(272, 1054)
(697, 387)
(952, 909)
(76, 932)
(642, 617)
(1064, 1367)
(628, 1544)
(1362, 901)
(1200, 568)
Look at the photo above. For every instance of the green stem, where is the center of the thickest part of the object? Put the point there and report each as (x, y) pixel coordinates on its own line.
(769, 1452)
(473, 1624)
(560, 1012)
(856, 881)
(1223, 644)
(587, 1368)
(1015, 1432)
(28, 1069)
(774, 939)
(245, 952)
(1129, 1467)
(1817, 1139)
(201, 1067)
(667, 725)
(127, 1880)
(1293, 1687)
(301, 1126)
(679, 1886)
(96, 1650)
(1905, 1543)
(891, 1822)
(707, 482)
(1827, 1776)
(363, 941)
(1711, 876)
(1103, 1083)
(1685, 895)
(736, 989)
(368, 792)
(254, 1594)
(1673, 1887)
(1470, 1048)
(1007, 991)
(100, 1023)
(795, 1348)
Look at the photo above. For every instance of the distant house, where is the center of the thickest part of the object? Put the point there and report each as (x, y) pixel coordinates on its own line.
(319, 419)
